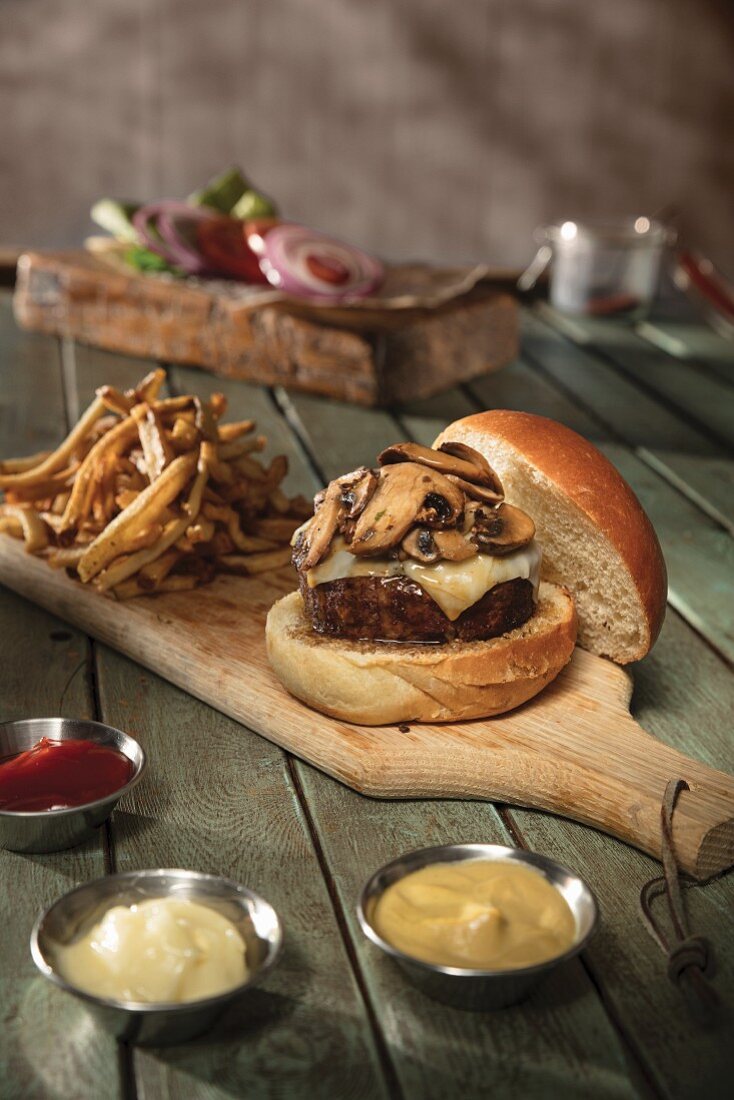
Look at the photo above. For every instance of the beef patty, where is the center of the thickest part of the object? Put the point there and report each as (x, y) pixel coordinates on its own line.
(397, 609)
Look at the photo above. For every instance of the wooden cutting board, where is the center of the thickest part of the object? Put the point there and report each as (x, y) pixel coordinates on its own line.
(574, 750)
(367, 356)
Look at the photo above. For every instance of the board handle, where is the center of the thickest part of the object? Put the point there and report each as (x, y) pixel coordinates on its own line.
(623, 799)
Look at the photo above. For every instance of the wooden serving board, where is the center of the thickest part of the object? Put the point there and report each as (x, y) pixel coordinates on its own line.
(367, 356)
(574, 750)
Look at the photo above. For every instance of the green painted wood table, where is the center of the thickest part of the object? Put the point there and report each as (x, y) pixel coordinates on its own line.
(335, 1019)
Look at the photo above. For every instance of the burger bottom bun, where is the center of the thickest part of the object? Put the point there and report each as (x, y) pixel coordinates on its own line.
(374, 684)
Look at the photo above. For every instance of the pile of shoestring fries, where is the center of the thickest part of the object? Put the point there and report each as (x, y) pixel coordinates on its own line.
(150, 494)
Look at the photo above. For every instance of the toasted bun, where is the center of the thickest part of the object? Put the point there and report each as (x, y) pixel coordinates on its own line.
(597, 541)
(376, 683)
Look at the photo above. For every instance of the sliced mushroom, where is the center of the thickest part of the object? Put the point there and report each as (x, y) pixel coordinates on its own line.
(452, 545)
(474, 458)
(322, 528)
(357, 488)
(406, 494)
(442, 461)
(477, 492)
(502, 530)
(420, 545)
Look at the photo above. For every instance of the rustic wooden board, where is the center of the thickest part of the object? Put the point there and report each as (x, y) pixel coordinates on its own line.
(574, 750)
(369, 358)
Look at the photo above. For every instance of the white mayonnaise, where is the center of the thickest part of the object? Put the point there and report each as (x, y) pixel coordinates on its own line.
(159, 950)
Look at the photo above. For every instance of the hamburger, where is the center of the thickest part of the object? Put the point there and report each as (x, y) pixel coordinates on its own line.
(450, 582)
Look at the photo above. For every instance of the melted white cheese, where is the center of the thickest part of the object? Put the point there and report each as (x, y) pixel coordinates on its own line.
(454, 585)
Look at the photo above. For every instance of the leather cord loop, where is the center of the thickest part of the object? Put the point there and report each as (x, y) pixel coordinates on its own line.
(690, 958)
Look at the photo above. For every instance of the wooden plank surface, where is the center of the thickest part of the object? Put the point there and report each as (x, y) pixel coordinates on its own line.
(242, 818)
(684, 455)
(219, 799)
(691, 341)
(613, 1027)
(686, 693)
(695, 395)
(46, 1045)
(604, 770)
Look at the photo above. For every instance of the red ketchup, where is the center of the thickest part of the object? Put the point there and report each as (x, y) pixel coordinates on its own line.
(54, 775)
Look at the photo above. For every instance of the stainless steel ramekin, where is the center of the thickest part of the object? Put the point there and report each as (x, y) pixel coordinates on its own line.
(53, 830)
(479, 989)
(157, 1024)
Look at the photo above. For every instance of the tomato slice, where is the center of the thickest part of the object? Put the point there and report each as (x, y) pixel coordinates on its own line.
(223, 244)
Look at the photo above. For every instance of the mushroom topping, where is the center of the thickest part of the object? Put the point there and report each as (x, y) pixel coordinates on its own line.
(502, 530)
(452, 545)
(357, 488)
(420, 545)
(468, 454)
(442, 461)
(406, 494)
(322, 528)
(432, 546)
(478, 492)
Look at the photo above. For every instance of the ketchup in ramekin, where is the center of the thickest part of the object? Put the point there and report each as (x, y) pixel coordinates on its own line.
(56, 775)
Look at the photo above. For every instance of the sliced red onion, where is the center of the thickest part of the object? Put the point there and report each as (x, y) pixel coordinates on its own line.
(162, 225)
(308, 264)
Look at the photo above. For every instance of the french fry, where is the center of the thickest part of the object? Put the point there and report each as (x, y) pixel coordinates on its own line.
(50, 487)
(149, 387)
(222, 473)
(152, 495)
(115, 401)
(67, 558)
(20, 465)
(111, 543)
(151, 575)
(112, 443)
(173, 531)
(126, 497)
(157, 450)
(201, 531)
(59, 458)
(34, 529)
(11, 526)
(240, 447)
(229, 432)
(278, 528)
(279, 501)
(255, 563)
(184, 435)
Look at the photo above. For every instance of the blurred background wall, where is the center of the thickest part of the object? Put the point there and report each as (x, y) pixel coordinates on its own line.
(445, 129)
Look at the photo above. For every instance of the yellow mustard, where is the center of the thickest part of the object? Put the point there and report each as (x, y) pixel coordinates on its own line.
(476, 914)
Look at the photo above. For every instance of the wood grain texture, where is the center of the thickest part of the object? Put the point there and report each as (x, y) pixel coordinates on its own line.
(603, 769)
(435, 1050)
(373, 359)
(219, 799)
(684, 694)
(48, 1048)
(683, 1060)
(559, 1039)
(692, 342)
(683, 454)
(242, 818)
(696, 396)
